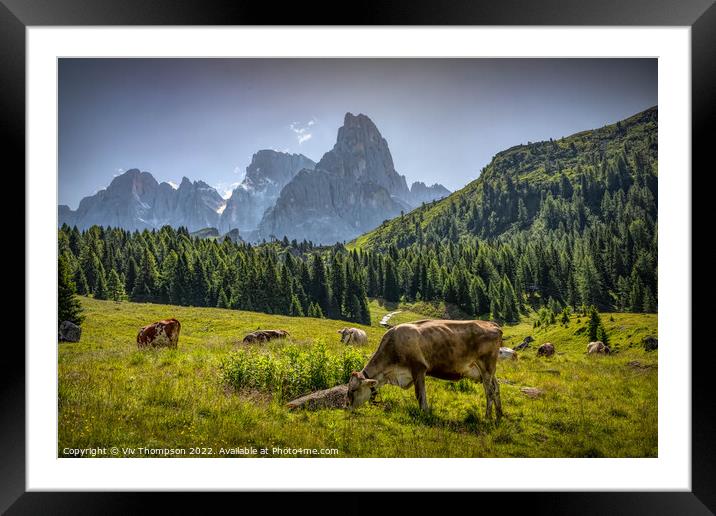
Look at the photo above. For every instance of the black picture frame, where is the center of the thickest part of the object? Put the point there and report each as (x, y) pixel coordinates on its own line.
(700, 15)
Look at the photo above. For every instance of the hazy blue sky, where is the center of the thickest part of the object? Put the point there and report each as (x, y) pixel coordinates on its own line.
(443, 119)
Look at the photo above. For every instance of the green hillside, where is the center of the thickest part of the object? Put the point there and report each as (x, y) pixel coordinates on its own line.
(112, 395)
(594, 161)
(566, 222)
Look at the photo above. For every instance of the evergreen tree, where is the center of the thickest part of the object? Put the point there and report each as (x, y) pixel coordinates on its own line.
(602, 335)
(223, 301)
(594, 323)
(115, 287)
(314, 310)
(391, 290)
(295, 309)
(145, 284)
(320, 291)
(101, 290)
(81, 282)
(131, 276)
(69, 308)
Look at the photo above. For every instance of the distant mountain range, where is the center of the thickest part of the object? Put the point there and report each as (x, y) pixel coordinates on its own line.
(352, 189)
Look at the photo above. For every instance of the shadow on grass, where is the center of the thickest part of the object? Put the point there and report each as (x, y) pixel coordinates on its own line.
(474, 421)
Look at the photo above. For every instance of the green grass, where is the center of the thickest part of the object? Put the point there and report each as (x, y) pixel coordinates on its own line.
(111, 394)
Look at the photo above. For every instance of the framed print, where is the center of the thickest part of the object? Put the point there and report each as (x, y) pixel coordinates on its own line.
(413, 256)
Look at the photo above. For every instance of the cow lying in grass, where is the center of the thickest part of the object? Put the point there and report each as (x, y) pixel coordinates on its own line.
(449, 350)
(265, 336)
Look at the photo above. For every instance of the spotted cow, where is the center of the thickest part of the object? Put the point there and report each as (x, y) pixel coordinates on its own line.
(162, 334)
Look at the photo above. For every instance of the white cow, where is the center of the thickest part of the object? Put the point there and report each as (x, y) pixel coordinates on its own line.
(353, 336)
(507, 353)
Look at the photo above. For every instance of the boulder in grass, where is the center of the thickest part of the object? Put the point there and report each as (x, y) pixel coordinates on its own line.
(335, 397)
(650, 343)
(69, 332)
(532, 392)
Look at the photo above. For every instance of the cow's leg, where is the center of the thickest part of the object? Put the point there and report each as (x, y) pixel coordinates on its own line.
(498, 400)
(419, 381)
(492, 389)
(488, 382)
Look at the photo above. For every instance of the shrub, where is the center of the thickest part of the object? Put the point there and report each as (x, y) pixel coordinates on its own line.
(291, 372)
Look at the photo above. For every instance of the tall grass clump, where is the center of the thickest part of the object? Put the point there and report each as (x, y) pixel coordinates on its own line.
(291, 371)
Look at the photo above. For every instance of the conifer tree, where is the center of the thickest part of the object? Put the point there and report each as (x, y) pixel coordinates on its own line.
(145, 284)
(319, 285)
(594, 323)
(391, 290)
(101, 291)
(81, 282)
(69, 307)
(223, 301)
(115, 287)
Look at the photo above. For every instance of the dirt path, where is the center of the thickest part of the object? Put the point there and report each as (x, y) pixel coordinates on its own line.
(384, 321)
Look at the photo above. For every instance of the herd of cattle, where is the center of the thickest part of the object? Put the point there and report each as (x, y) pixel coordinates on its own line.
(407, 353)
(165, 333)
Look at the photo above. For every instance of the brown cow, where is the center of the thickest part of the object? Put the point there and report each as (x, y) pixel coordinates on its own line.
(162, 334)
(545, 350)
(449, 350)
(265, 336)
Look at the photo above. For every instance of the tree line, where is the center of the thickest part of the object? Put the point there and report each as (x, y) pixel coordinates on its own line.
(170, 266)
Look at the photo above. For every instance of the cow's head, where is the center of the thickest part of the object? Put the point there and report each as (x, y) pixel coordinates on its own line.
(359, 389)
(345, 334)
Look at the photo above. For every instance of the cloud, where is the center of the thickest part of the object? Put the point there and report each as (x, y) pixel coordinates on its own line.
(301, 130)
(173, 184)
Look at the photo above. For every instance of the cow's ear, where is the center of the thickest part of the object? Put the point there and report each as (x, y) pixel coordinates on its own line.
(371, 383)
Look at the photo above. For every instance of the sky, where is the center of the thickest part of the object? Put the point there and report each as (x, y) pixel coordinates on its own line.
(444, 119)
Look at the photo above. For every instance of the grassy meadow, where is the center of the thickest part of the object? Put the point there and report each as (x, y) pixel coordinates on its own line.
(213, 392)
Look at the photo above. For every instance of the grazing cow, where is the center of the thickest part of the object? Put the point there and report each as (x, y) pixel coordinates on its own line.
(507, 353)
(353, 336)
(524, 344)
(597, 347)
(162, 334)
(545, 350)
(449, 350)
(265, 336)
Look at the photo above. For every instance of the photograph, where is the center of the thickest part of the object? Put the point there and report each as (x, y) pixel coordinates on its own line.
(386, 257)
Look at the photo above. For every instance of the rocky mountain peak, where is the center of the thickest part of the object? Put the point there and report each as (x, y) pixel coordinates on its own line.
(269, 167)
(361, 153)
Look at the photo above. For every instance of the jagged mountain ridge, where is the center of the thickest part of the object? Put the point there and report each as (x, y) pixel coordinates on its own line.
(135, 200)
(352, 189)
